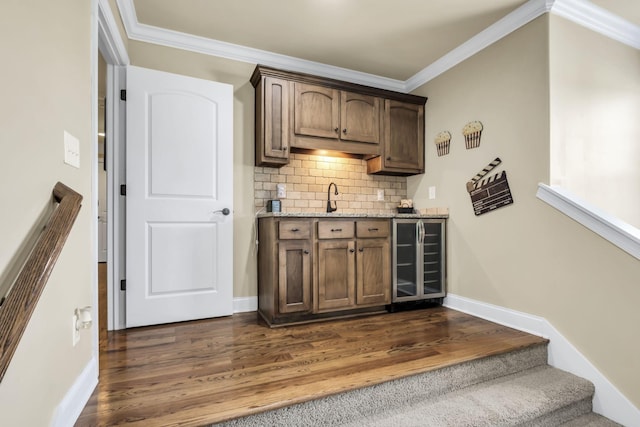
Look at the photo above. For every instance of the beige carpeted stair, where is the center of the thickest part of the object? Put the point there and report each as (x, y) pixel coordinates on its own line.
(513, 389)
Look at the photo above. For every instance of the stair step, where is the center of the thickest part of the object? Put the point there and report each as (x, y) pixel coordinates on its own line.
(542, 396)
(354, 405)
(590, 420)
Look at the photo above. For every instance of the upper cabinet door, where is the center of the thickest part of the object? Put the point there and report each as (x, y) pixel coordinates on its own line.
(276, 118)
(272, 122)
(359, 117)
(403, 136)
(317, 111)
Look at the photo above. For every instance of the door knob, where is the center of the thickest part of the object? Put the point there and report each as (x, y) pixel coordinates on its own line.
(224, 211)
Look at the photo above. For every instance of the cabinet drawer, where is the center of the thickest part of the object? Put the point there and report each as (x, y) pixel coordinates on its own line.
(372, 228)
(294, 230)
(335, 229)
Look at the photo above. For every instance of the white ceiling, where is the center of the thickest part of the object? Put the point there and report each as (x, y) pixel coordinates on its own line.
(391, 38)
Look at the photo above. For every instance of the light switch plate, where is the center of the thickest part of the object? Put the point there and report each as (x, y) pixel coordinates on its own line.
(380, 195)
(432, 193)
(71, 150)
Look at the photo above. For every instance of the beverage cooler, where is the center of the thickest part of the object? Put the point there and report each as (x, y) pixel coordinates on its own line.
(419, 267)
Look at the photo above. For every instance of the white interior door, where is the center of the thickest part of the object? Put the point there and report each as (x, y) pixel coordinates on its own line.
(179, 181)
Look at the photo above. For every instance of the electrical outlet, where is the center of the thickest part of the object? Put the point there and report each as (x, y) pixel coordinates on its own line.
(432, 193)
(381, 195)
(281, 191)
(74, 330)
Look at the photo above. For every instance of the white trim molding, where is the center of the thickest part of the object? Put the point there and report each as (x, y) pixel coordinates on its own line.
(189, 42)
(109, 39)
(505, 26)
(579, 11)
(607, 400)
(616, 231)
(71, 406)
(599, 20)
(245, 304)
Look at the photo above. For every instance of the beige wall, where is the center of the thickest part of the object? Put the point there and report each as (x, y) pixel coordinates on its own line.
(307, 179)
(47, 51)
(526, 256)
(595, 106)
(237, 74)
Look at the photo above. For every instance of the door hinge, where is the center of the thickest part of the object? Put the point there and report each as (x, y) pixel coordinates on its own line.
(123, 190)
(123, 285)
(123, 94)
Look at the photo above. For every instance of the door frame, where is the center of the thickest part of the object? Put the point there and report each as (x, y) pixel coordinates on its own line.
(115, 54)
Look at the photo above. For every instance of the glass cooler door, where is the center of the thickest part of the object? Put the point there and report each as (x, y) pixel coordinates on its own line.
(405, 260)
(432, 252)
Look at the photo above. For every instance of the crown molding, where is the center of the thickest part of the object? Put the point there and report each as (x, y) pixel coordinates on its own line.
(505, 26)
(581, 12)
(178, 40)
(599, 20)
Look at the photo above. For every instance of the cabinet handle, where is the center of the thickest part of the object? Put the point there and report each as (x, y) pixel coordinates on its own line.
(344, 130)
(295, 230)
(373, 229)
(336, 130)
(306, 252)
(352, 250)
(336, 229)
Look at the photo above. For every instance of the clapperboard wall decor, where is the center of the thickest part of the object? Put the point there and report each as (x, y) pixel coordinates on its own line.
(490, 193)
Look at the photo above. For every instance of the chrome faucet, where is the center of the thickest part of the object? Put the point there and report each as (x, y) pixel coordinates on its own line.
(335, 206)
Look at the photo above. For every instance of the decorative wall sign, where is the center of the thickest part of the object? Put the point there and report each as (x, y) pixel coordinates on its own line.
(443, 141)
(491, 193)
(472, 132)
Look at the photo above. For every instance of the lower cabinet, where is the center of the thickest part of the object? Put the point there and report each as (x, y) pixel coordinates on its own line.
(311, 269)
(336, 275)
(285, 269)
(353, 264)
(294, 276)
(373, 284)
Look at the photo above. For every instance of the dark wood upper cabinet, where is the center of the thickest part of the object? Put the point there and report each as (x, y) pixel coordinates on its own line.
(301, 112)
(359, 117)
(338, 115)
(272, 121)
(403, 141)
(317, 111)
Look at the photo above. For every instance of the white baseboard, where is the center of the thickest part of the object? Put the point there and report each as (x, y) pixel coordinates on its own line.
(77, 396)
(607, 400)
(244, 304)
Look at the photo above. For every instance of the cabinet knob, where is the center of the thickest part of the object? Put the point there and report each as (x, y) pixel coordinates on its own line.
(306, 252)
(389, 158)
(284, 148)
(361, 250)
(336, 130)
(352, 250)
(344, 130)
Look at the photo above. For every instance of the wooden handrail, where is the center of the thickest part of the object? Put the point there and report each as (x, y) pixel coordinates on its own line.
(21, 301)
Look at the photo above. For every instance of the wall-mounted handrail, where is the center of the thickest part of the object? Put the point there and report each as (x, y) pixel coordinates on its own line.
(21, 300)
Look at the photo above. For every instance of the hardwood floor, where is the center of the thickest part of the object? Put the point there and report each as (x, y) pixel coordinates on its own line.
(196, 373)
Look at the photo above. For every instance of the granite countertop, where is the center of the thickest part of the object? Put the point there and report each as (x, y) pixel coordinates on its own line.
(349, 215)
